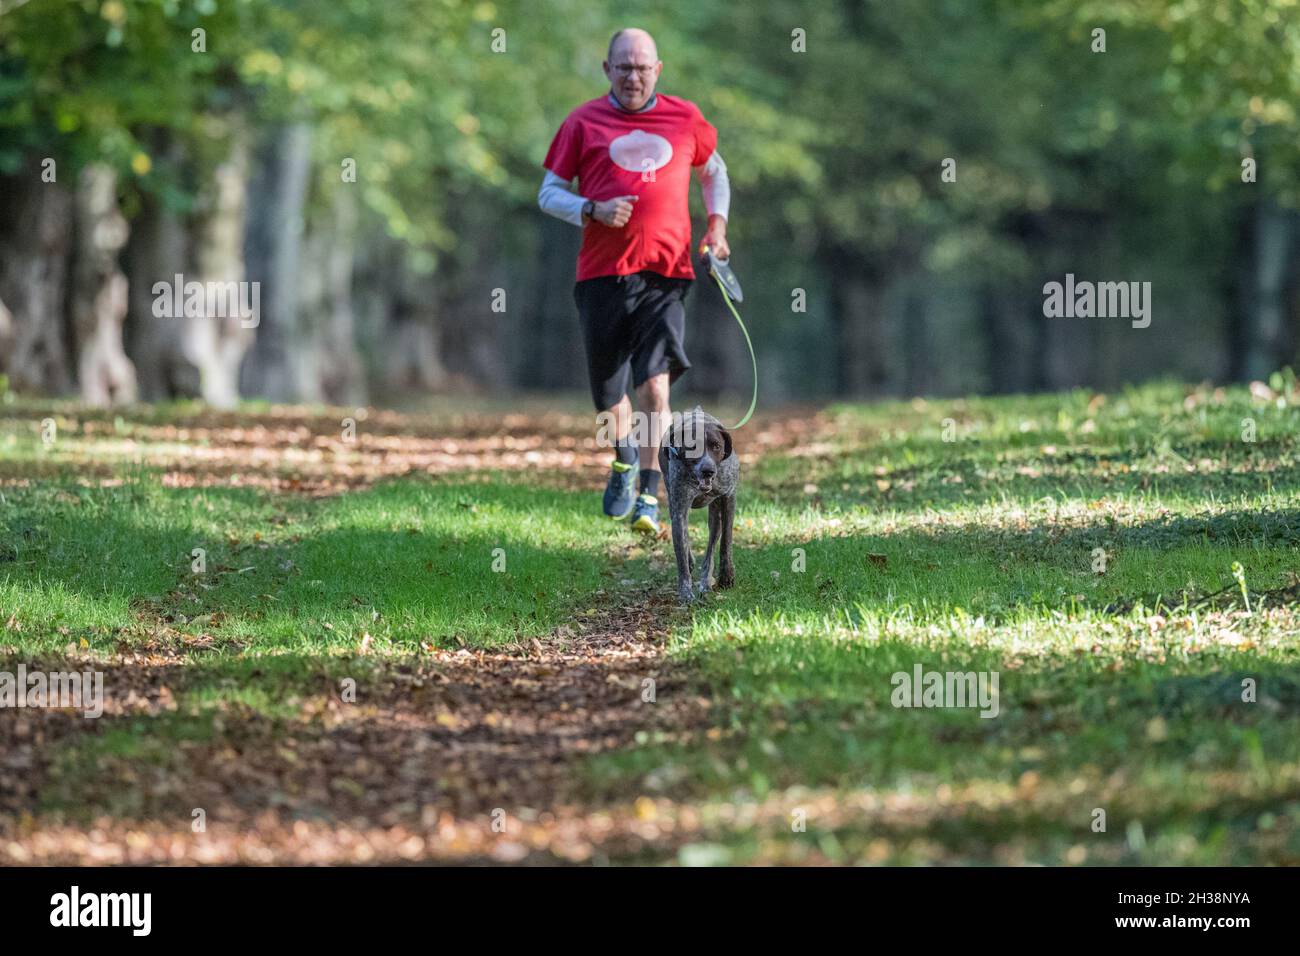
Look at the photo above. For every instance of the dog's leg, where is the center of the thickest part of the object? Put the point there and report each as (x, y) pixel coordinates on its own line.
(715, 526)
(726, 571)
(680, 506)
(690, 558)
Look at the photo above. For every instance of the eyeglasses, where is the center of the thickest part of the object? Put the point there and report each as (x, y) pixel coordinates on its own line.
(627, 69)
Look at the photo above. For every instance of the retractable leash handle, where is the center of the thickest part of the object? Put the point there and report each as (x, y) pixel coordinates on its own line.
(731, 291)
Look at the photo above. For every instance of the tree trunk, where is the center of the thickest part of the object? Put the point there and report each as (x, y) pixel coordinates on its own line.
(1065, 350)
(415, 358)
(1266, 341)
(858, 317)
(157, 251)
(1291, 296)
(331, 368)
(6, 329)
(397, 329)
(553, 356)
(1002, 371)
(476, 337)
(720, 366)
(1239, 282)
(212, 343)
(919, 350)
(99, 291)
(35, 237)
(276, 368)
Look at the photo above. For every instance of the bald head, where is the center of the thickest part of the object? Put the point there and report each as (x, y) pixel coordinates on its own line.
(631, 35)
(633, 67)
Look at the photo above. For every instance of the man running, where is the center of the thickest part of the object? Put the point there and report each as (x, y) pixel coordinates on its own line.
(632, 151)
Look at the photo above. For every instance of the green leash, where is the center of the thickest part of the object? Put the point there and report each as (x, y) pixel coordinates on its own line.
(730, 287)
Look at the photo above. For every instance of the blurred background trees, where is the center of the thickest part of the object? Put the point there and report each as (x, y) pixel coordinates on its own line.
(373, 164)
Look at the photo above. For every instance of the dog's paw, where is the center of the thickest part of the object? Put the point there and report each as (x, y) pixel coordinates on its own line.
(685, 594)
(727, 578)
(703, 585)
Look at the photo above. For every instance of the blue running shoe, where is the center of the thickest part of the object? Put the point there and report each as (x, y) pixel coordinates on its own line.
(646, 516)
(620, 492)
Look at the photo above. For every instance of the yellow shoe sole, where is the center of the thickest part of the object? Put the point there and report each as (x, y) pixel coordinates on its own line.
(646, 524)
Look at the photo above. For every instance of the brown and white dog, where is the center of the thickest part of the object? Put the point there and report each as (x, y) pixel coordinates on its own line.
(700, 467)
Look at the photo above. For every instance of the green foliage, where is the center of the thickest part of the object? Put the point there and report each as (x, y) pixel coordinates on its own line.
(1066, 158)
(1216, 80)
(849, 136)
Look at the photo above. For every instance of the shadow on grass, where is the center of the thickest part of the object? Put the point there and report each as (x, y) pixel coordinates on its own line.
(1001, 573)
(942, 475)
(407, 560)
(809, 725)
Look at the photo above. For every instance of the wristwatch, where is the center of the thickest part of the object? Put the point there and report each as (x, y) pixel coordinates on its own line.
(589, 209)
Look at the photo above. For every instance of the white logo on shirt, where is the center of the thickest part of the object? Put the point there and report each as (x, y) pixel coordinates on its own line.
(639, 151)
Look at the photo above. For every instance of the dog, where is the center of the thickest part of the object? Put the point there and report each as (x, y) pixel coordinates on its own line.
(700, 467)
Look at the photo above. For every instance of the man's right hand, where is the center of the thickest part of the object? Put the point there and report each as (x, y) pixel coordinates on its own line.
(614, 212)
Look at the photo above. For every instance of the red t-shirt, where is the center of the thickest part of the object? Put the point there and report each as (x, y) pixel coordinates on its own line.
(648, 155)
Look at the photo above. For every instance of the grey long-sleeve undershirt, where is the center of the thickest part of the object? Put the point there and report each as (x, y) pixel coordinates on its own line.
(558, 200)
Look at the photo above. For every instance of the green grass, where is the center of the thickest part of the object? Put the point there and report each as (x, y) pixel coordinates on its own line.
(408, 562)
(1120, 690)
(963, 536)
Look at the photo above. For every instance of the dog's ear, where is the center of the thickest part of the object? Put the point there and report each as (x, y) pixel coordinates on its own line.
(726, 443)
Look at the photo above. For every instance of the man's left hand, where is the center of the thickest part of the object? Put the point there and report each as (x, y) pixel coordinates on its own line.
(715, 237)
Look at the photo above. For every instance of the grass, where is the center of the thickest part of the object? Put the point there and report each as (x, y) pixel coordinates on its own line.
(408, 562)
(1127, 566)
(1121, 684)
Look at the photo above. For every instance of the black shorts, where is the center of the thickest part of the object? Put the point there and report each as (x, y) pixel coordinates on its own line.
(632, 327)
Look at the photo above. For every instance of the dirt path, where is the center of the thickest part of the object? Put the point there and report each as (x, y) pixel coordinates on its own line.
(299, 453)
(452, 756)
(459, 755)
